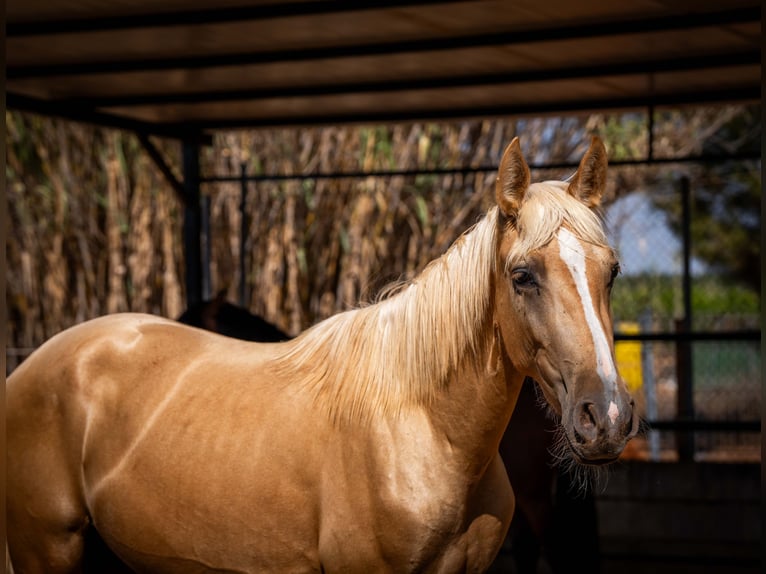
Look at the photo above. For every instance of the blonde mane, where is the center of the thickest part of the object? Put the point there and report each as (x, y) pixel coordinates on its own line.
(400, 351)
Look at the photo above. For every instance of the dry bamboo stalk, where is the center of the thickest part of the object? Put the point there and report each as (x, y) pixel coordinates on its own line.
(293, 308)
(141, 250)
(56, 276)
(172, 305)
(116, 299)
(72, 168)
(28, 304)
(358, 259)
(273, 277)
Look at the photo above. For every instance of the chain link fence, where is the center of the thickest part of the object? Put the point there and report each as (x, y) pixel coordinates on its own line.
(688, 333)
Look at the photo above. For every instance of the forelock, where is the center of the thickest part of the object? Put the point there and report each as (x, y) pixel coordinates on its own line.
(546, 207)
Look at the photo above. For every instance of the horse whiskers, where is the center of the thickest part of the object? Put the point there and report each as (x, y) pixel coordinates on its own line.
(585, 477)
(543, 404)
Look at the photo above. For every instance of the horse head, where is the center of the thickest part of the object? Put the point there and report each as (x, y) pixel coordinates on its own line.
(555, 271)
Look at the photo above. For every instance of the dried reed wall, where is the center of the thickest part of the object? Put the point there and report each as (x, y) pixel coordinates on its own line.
(94, 228)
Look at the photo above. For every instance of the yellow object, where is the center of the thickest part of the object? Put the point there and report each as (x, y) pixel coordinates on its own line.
(628, 354)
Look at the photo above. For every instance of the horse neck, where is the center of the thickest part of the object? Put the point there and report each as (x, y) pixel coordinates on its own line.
(475, 405)
(431, 346)
(479, 393)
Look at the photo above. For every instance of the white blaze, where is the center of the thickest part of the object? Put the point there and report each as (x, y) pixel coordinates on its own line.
(573, 254)
(613, 411)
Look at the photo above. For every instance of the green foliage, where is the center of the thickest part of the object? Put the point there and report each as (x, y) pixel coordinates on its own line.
(714, 295)
(726, 203)
(625, 134)
(384, 146)
(422, 210)
(636, 294)
(661, 295)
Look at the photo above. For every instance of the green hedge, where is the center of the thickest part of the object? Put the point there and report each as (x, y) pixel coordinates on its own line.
(662, 296)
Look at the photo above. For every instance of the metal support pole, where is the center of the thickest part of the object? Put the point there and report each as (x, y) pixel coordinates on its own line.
(685, 398)
(650, 387)
(205, 247)
(650, 133)
(243, 232)
(192, 228)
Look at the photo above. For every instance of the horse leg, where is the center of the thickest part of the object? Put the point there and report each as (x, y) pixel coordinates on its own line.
(51, 545)
(573, 537)
(524, 544)
(87, 554)
(46, 513)
(45, 526)
(43, 544)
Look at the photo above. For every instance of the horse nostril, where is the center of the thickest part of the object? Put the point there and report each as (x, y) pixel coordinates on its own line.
(587, 422)
(587, 415)
(631, 425)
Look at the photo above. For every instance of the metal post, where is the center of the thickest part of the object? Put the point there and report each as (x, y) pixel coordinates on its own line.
(243, 231)
(650, 388)
(205, 246)
(192, 228)
(650, 133)
(685, 399)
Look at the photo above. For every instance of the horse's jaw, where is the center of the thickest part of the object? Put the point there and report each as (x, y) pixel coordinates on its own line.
(595, 424)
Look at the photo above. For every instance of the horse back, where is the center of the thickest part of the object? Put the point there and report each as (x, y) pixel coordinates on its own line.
(126, 372)
(103, 405)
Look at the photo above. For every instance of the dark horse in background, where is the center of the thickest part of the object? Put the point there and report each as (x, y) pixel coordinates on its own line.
(554, 526)
(224, 318)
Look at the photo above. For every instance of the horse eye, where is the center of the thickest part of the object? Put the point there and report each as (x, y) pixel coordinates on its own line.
(522, 278)
(615, 273)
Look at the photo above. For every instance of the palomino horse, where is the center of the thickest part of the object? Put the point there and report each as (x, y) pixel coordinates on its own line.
(367, 443)
(554, 519)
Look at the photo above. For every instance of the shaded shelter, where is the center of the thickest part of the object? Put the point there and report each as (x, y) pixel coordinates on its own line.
(185, 69)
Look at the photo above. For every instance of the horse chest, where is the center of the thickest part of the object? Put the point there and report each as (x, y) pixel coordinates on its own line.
(401, 492)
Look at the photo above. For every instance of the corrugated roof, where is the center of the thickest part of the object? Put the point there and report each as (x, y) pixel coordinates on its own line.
(170, 67)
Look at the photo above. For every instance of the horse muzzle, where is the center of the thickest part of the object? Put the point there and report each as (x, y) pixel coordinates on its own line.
(598, 430)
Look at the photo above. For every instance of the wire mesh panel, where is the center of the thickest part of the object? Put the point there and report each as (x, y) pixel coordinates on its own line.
(696, 364)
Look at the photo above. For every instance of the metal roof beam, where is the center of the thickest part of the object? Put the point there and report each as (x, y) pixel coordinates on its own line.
(206, 16)
(742, 94)
(511, 37)
(744, 58)
(194, 129)
(162, 165)
(30, 104)
(547, 166)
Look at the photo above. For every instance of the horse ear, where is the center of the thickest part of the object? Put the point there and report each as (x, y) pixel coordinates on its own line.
(209, 312)
(589, 181)
(512, 180)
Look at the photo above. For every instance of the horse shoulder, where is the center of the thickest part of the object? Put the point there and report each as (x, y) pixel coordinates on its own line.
(406, 498)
